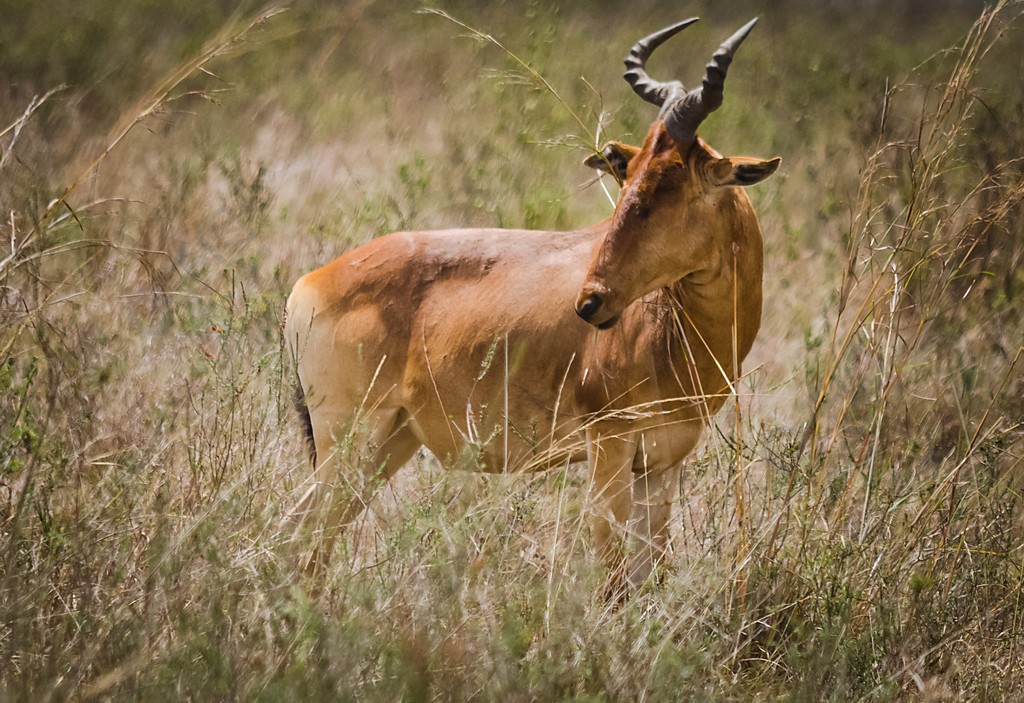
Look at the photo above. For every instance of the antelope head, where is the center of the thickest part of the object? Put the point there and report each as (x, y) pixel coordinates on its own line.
(679, 209)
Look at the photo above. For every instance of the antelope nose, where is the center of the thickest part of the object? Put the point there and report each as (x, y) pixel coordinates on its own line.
(588, 307)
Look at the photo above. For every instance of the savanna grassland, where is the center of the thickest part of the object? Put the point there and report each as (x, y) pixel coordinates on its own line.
(851, 529)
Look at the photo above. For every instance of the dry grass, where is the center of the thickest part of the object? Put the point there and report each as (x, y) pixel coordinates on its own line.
(850, 531)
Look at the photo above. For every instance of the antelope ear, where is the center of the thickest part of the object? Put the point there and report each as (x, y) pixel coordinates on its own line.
(613, 159)
(742, 171)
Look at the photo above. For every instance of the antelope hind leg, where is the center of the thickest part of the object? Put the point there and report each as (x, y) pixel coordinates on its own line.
(351, 467)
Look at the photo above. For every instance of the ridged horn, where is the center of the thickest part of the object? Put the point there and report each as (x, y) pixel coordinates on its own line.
(650, 90)
(684, 115)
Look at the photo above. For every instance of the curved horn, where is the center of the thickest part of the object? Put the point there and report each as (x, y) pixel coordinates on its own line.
(684, 116)
(653, 91)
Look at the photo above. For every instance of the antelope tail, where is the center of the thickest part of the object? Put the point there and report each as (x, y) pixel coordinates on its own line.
(307, 422)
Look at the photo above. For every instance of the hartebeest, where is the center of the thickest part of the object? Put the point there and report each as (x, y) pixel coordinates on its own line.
(476, 341)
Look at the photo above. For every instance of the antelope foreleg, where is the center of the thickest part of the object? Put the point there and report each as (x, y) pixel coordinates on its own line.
(610, 456)
(654, 493)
